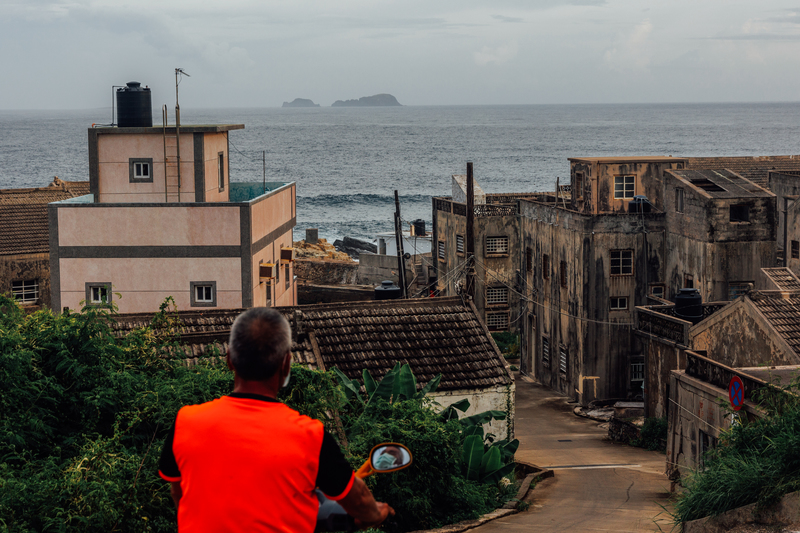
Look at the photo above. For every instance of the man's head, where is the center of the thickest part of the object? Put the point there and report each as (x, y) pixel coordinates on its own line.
(260, 339)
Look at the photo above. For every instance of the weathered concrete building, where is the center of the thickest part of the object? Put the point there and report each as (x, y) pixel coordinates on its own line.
(159, 224)
(24, 240)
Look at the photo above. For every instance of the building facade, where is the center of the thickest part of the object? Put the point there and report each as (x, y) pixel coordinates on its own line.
(166, 222)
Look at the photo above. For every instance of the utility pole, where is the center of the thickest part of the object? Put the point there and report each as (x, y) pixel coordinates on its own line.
(470, 233)
(398, 233)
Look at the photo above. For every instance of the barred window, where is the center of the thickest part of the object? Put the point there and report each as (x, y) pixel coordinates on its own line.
(459, 244)
(441, 250)
(496, 245)
(562, 359)
(25, 291)
(619, 302)
(496, 295)
(624, 186)
(546, 352)
(621, 262)
(637, 371)
(497, 321)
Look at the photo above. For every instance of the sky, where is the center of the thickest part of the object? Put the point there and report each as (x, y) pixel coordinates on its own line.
(259, 53)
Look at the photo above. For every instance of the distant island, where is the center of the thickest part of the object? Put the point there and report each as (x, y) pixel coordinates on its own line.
(300, 102)
(377, 100)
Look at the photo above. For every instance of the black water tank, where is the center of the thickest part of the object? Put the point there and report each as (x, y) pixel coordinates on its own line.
(419, 227)
(134, 106)
(639, 204)
(387, 291)
(689, 305)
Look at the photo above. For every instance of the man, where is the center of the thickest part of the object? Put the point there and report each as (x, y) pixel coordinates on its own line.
(247, 462)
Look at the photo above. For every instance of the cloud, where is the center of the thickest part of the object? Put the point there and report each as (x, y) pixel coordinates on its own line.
(632, 51)
(502, 18)
(498, 55)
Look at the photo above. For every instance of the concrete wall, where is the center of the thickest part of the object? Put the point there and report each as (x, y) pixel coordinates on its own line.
(786, 188)
(500, 398)
(27, 267)
(213, 143)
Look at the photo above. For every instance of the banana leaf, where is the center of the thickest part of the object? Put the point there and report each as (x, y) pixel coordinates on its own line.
(352, 388)
(405, 384)
(491, 461)
(430, 387)
(497, 475)
(369, 383)
(473, 455)
(482, 418)
(451, 411)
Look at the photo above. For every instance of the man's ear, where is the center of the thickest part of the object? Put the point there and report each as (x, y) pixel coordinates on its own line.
(287, 362)
(228, 360)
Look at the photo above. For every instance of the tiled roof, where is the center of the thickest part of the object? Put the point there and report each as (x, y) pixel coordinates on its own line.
(432, 335)
(782, 311)
(783, 278)
(720, 183)
(754, 168)
(23, 216)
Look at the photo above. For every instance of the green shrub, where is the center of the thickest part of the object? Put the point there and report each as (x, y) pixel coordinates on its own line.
(653, 435)
(508, 343)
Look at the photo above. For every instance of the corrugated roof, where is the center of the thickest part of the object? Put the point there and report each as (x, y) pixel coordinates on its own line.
(783, 278)
(432, 335)
(23, 215)
(721, 183)
(753, 168)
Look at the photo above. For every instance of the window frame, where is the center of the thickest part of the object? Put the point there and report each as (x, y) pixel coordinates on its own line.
(491, 248)
(20, 292)
(528, 259)
(461, 248)
(577, 190)
(546, 351)
(287, 276)
(563, 274)
(91, 285)
(652, 290)
(194, 302)
(221, 170)
(637, 369)
(493, 301)
(545, 266)
(795, 249)
(504, 323)
(563, 359)
(740, 213)
(132, 162)
(611, 302)
(621, 266)
(624, 184)
(680, 197)
(441, 250)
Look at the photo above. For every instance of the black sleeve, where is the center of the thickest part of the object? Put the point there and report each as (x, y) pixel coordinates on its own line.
(167, 466)
(334, 474)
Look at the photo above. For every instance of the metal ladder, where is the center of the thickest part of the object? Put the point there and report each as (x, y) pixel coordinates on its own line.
(172, 162)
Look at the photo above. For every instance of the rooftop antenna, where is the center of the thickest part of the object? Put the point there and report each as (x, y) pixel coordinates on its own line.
(179, 73)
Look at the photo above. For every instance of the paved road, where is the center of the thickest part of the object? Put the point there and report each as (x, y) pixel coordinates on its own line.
(598, 485)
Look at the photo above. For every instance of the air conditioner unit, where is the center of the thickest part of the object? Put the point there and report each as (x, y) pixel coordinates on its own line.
(287, 255)
(266, 271)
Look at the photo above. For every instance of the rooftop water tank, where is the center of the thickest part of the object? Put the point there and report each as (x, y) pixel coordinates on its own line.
(387, 291)
(639, 204)
(134, 106)
(419, 227)
(689, 305)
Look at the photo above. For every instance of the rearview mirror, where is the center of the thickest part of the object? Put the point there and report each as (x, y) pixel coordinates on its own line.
(389, 456)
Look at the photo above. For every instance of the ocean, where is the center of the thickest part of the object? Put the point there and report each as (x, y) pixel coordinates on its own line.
(347, 162)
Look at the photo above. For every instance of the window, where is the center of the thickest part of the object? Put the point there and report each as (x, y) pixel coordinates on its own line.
(657, 291)
(563, 274)
(795, 250)
(563, 359)
(624, 186)
(440, 249)
(497, 296)
(277, 274)
(98, 294)
(496, 245)
(736, 289)
(679, 200)
(203, 293)
(140, 170)
(619, 302)
(740, 213)
(286, 275)
(528, 260)
(637, 371)
(577, 190)
(545, 266)
(269, 293)
(707, 442)
(25, 291)
(546, 352)
(221, 170)
(460, 244)
(621, 262)
(497, 321)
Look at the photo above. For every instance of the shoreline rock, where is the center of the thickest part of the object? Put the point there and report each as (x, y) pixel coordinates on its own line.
(300, 102)
(377, 100)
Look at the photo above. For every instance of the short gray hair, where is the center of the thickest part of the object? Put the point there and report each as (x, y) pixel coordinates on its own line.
(260, 338)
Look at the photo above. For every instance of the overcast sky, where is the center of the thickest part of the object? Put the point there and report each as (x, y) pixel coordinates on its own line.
(243, 53)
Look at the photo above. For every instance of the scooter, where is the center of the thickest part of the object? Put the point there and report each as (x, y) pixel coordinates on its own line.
(384, 458)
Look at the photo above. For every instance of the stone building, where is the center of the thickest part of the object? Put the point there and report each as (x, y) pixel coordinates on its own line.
(24, 240)
(163, 218)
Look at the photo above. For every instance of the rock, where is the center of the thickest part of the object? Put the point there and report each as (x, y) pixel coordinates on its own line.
(354, 247)
(300, 102)
(378, 100)
(319, 250)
